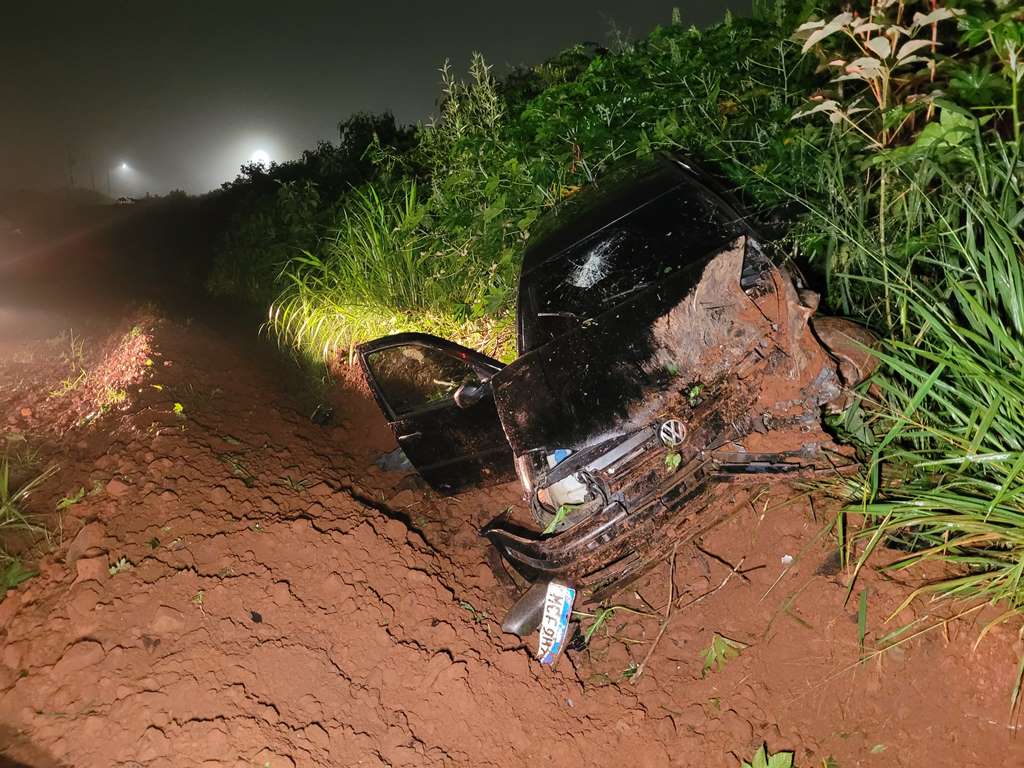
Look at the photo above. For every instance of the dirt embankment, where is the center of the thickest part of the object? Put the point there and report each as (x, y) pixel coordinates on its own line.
(242, 587)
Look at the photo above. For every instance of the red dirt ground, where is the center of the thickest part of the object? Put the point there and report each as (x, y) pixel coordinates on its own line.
(281, 602)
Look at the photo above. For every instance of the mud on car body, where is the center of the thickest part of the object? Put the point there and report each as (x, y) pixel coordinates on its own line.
(666, 365)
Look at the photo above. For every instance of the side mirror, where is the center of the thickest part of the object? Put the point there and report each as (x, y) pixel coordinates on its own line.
(470, 394)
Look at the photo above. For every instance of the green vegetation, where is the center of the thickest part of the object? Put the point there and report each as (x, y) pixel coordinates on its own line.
(14, 519)
(599, 620)
(889, 133)
(120, 565)
(923, 239)
(563, 512)
(71, 499)
(721, 651)
(12, 573)
(672, 460)
(762, 759)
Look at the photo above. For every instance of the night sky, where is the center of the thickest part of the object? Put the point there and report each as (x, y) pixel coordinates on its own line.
(186, 91)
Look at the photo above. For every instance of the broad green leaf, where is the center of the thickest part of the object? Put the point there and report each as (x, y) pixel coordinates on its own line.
(939, 14)
(494, 209)
(721, 650)
(13, 574)
(830, 28)
(910, 46)
(560, 515)
(865, 66)
(879, 46)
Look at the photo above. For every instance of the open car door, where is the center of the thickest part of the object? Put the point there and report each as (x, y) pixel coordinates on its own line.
(436, 396)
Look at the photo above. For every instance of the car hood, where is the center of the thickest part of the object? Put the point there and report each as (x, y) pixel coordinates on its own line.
(618, 372)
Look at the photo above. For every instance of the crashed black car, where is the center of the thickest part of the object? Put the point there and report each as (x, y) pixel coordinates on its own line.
(663, 357)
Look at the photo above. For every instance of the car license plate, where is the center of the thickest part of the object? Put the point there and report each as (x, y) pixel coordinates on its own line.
(555, 623)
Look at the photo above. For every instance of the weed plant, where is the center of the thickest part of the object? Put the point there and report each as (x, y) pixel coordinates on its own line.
(14, 520)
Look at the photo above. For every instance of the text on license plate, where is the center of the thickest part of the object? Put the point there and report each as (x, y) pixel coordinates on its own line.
(555, 622)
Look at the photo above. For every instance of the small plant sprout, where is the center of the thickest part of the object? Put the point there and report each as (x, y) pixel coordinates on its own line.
(478, 616)
(71, 499)
(762, 759)
(179, 410)
(560, 515)
(122, 564)
(68, 385)
(721, 651)
(602, 617)
(693, 395)
(605, 613)
(672, 460)
(12, 501)
(12, 573)
(111, 398)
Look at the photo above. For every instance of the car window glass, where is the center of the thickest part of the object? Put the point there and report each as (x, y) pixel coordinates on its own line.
(669, 233)
(413, 376)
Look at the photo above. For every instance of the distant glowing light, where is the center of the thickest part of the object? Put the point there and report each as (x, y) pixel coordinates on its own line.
(260, 157)
(124, 167)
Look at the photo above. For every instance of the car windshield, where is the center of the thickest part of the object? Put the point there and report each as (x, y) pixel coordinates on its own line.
(672, 231)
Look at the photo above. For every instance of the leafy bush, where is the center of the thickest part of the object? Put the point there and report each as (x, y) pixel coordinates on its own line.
(924, 238)
(276, 211)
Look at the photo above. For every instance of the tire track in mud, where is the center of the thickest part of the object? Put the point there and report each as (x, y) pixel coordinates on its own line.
(263, 621)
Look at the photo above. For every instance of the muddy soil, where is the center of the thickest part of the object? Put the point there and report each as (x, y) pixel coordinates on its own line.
(240, 586)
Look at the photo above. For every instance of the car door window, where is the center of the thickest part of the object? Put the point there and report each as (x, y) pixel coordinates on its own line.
(412, 376)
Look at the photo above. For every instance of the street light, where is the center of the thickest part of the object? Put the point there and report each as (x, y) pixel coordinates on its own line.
(122, 168)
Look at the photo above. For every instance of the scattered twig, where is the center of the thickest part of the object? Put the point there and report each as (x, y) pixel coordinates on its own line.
(723, 561)
(664, 622)
(671, 600)
(710, 592)
(643, 600)
(775, 583)
(878, 652)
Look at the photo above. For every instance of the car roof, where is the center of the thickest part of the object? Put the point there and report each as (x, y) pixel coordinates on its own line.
(601, 204)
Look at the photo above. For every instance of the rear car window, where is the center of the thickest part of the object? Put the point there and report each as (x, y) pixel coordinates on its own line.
(675, 230)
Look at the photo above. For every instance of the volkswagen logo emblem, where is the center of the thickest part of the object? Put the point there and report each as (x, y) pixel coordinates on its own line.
(672, 433)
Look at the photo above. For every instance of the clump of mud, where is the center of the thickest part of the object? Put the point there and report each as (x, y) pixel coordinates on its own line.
(76, 380)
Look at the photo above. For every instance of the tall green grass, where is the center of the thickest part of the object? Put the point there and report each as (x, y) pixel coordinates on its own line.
(379, 272)
(944, 476)
(13, 517)
(16, 521)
